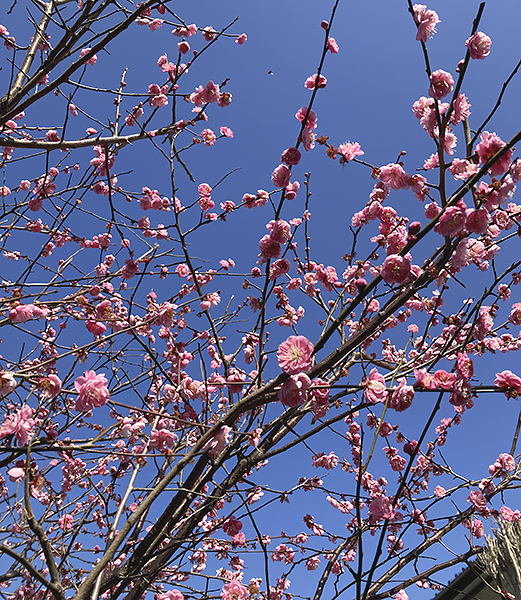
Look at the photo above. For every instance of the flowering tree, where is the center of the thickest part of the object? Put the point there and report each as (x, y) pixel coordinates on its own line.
(164, 415)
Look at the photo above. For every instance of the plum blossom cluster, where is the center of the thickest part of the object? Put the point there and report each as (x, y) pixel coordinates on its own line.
(271, 244)
(92, 391)
(25, 312)
(426, 21)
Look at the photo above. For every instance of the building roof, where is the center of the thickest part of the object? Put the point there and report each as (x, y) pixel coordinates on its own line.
(470, 583)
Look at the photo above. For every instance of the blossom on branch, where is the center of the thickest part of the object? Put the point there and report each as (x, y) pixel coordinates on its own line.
(20, 424)
(234, 591)
(295, 354)
(349, 151)
(489, 145)
(441, 84)
(315, 81)
(7, 383)
(479, 45)
(294, 390)
(374, 387)
(396, 269)
(426, 21)
(92, 390)
(381, 509)
(218, 442)
(508, 383)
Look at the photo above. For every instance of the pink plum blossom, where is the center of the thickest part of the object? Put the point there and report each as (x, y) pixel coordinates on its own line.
(515, 314)
(484, 324)
(291, 190)
(92, 60)
(461, 393)
(92, 391)
(52, 136)
(210, 300)
(295, 354)
(130, 269)
(131, 119)
(170, 595)
(381, 509)
(318, 81)
(332, 45)
(280, 231)
(166, 315)
(255, 201)
(465, 366)
(475, 527)
(515, 171)
(217, 443)
(234, 590)
(426, 21)
(396, 269)
(311, 121)
(182, 31)
(504, 464)
(507, 514)
(155, 24)
(439, 491)
(461, 109)
(453, 220)
(326, 461)
(7, 383)
(95, 327)
(235, 381)
(157, 95)
(444, 380)
(462, 168)
(479, 45)
(441, 84)
(509, 383)
(402, 397)
(232, 526)
(50, 386)
(308, 139)
(241, 39)
(225, 131)
(477, 220)
(375, 390)
(349, 151)
(16, 474)
(269, 248)
(66, 522)
(281, 176)
(20, 424)
(208, 33)
(489, 145)
(183, 47)
(291, 156)
(279, 268)
(210, 92)
(294, 390)
(25, 312)
(478, 500)
(162, 439)
(432, 162)
(208, 137)
(182, 270)
(394, 175)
